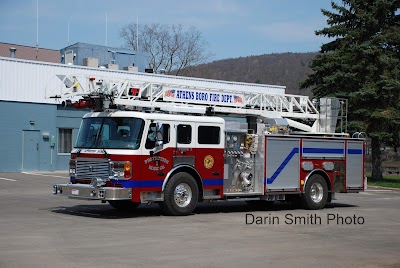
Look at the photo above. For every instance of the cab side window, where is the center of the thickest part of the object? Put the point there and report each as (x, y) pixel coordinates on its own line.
(184, 134)
(208, 135)
(151, 135)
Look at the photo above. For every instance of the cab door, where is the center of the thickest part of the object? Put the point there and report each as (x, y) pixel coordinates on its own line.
(157, 164)
(185, 153)
(210, 156)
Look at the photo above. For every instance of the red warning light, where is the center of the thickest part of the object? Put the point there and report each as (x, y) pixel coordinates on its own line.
(81, 104)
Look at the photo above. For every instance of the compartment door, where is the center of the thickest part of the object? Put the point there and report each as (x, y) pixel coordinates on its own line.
(354, 164)
(282, 164)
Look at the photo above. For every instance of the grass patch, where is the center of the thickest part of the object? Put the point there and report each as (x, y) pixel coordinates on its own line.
(392, 181)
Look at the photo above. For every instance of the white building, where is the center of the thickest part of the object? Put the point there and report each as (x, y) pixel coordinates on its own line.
(37, 133)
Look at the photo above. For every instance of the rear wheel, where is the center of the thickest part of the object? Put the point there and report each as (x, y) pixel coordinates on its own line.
(180, 195)
(123, 204)
(316, 192)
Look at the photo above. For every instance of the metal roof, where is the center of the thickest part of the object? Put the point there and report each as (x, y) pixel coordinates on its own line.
(32, 81)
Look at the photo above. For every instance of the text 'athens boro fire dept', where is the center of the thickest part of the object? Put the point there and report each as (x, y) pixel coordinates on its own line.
(157, 139)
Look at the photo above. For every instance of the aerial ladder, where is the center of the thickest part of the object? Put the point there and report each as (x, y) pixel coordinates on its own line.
(103, 93)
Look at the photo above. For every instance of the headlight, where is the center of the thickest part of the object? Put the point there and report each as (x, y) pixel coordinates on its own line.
(72, 167)
(121, 170)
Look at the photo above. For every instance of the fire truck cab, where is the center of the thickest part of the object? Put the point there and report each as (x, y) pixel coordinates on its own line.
(133, 156)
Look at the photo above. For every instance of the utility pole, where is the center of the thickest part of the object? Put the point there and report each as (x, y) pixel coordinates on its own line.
(37, 28)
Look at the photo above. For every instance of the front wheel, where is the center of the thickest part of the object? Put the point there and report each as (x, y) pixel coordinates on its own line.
(316, 193)
(180, 195)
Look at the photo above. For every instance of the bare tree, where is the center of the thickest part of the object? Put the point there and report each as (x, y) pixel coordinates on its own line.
(171, 48)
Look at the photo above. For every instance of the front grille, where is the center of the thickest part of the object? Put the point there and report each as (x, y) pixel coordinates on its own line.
(88, 168)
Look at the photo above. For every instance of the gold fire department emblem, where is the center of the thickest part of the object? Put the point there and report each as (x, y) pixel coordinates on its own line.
(208, 161)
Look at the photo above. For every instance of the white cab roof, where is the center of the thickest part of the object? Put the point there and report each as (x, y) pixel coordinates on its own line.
(158, 116)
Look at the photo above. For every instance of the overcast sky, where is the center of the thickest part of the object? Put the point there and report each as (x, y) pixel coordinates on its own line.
(233, 28)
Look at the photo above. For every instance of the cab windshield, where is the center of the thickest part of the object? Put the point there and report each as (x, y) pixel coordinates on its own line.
(110, 133)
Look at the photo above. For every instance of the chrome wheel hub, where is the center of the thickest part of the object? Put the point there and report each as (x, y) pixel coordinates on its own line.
(316, 192)
(183, 195)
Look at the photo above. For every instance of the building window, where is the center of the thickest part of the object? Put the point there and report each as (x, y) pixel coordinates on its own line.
(64, 140)
(208, 135)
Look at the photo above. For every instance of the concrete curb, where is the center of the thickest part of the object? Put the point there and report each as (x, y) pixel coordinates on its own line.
(383, 188)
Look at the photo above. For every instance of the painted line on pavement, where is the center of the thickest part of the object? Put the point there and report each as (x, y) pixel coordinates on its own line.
(44, 175)
(7, 179)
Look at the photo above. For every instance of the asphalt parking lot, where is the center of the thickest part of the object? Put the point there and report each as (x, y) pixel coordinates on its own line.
(38, 229)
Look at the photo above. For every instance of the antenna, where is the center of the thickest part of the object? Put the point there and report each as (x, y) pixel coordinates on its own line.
(137, 33)
(68, 32)
(106, 29)
(37, 28)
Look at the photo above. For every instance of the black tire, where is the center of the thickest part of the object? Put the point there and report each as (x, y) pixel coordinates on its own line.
(316, 193)
(180, 195)
(127, 205)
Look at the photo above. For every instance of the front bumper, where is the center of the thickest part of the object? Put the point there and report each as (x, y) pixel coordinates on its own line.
(89, 192)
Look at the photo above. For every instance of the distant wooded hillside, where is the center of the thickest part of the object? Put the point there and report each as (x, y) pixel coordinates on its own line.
(286, 69)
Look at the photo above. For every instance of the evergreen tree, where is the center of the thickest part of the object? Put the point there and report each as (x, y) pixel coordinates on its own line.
(362, 64)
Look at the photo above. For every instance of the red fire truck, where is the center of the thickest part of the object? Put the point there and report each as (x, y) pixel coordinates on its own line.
(156, 142)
